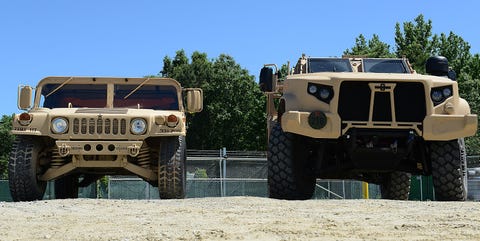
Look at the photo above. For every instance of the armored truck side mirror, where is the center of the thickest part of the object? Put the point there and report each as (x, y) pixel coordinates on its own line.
(194, 100)
(266, 79)
(24, 101)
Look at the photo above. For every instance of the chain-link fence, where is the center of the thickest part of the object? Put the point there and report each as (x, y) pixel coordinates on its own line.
(222, 173)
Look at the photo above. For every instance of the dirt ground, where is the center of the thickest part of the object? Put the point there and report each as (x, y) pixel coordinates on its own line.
(239, 218)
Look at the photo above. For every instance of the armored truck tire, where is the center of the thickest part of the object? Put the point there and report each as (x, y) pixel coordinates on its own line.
(288, 177)
(449, 170)
(66, 187)
(24, 170)
(171, 168)
(396, 186)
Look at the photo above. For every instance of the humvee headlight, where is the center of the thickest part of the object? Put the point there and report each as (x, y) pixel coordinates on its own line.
(312, 89)
(59, 125)
(138, 126)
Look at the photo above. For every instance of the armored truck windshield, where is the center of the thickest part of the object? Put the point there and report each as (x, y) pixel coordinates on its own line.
(385, 66)
(328, 65)
(156, 97)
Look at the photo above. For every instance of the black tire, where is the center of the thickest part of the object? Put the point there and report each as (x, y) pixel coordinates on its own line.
(24, 170)
(396, 186)
(171, 168)
(288, 177)
(66, 187)
(449, 165)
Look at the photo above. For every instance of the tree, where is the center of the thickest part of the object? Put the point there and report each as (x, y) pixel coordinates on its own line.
(374, 48)
(234, 108)
(454, 48)
(5, 144)
(415, 42)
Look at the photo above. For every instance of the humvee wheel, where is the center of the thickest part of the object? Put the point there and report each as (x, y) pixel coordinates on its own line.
(288, 177)
(24, 170)
(171, 168)
(396, 186)
(66, 187)
(449, 170)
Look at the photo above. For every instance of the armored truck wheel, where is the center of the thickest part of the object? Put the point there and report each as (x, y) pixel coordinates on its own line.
(396, 186)
(288, 177)
(171, 168)
(449, 170)
(66, 187)
(24, 170)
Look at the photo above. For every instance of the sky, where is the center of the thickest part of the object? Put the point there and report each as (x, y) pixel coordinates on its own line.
(130, 38)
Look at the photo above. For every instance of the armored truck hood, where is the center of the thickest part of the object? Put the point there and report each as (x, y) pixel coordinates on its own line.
(369, 77)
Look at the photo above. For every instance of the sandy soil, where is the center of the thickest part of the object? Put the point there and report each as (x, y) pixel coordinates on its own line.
(239, 218)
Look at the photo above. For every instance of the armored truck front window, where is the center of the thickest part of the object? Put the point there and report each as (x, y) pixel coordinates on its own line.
(74, 95)
(328, 65)
(155, 97)
(385, 66)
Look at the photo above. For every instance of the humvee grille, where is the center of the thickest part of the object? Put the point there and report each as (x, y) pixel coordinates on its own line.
(109, 126)
(355, 97)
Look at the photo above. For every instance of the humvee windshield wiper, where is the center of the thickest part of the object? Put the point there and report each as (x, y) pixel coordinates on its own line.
(60, 86)
(138, 87)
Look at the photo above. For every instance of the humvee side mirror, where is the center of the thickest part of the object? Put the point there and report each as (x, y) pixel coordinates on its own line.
(266, 79)
(194, 100)
(24, 101)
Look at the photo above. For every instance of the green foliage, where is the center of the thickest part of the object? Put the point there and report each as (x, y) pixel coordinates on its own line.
(6, 140)
(415, 42)
(201, 173)
(373, 48)
(234, 108)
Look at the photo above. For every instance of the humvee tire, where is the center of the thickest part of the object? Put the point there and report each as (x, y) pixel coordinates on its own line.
(396, 186)
(171, 168)
(23, 170)
(449, 170)
(288, 177)
(66, 187)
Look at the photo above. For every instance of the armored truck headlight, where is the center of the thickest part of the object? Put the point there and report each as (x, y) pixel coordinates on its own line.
(312, 89)
(322, 92)
(437, 95)
(59, 125)
(440, 94)
(138, 126)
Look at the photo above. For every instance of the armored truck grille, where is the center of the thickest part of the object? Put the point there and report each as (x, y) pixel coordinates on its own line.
(107, 126)
(408, 98)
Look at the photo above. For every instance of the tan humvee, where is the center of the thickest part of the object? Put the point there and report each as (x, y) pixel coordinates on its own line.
(82, 128)
(374, 120)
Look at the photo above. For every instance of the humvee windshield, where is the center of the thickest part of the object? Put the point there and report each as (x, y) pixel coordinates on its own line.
(385, 66)
(157, 97)
(328, 65)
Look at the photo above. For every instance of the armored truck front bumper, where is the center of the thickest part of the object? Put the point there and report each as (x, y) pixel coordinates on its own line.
(434, 127)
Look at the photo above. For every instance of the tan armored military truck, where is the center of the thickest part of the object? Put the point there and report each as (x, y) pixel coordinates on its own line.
(368, 119)
(82, 128)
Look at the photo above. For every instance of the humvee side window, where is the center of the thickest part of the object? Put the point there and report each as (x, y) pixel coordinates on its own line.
(74, 95)
(328, 65)
(155, 97)
(385, 66)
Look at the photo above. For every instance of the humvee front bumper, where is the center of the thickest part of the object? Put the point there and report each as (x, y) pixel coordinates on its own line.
(131, 148)
(434, 127)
